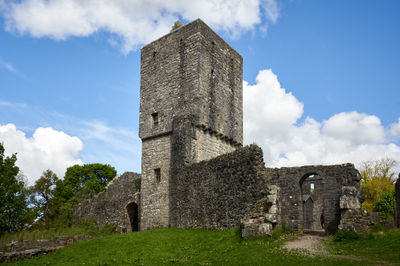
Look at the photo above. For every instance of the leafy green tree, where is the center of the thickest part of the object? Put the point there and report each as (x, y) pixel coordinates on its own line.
(385, 205)
(84, 181)
(14, 212)
(80, 182)
(41, 196)
(377, 179)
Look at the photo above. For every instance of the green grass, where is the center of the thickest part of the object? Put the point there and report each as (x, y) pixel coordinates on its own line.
(379, 245)
(192, 247)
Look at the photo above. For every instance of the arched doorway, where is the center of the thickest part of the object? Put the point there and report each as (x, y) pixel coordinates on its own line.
(133, 217)
(312, 201)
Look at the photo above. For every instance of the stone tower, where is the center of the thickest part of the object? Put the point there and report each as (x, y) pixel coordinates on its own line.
(190, 110)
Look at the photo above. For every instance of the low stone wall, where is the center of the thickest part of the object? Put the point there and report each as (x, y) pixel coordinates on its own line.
(218, 193)
(110, 205)
(30, 249)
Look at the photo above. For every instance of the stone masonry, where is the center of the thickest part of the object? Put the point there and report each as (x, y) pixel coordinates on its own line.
(188, 72)
(112, 206)
(195, 172)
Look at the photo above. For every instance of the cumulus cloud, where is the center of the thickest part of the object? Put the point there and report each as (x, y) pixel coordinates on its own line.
(46, 149)
(394, 130)
(132, 22)
(272, 120)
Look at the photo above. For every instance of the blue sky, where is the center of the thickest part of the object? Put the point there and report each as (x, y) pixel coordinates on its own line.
(321, 78)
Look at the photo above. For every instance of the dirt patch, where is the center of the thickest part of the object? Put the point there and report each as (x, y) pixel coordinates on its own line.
(314, 245)
(310, 244)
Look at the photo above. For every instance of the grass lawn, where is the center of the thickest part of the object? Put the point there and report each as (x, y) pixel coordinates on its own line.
(380, 246)
(205, 247)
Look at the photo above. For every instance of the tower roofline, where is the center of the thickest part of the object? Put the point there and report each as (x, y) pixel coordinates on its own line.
(199, 26)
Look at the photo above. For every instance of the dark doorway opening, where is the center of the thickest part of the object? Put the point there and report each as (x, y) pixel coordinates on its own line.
(308, 213)
(133, 217)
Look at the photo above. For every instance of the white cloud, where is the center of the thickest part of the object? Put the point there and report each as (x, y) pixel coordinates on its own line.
(356, 127)
(46, 149)
(271, 117)
(132, 22)
(394, 130)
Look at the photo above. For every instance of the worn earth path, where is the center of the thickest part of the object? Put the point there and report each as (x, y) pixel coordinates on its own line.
(311, 244)
(314, 245)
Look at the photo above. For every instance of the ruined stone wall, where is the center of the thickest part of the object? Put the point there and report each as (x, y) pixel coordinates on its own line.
(109, 206)
(218, 193)
(156, 154)
(329, 181)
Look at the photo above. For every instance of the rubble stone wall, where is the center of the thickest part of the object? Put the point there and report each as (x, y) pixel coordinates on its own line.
(218, 193)
(109, 206)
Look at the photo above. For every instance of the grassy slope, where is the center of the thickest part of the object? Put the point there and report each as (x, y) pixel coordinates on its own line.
(378, 246)
(179, 246)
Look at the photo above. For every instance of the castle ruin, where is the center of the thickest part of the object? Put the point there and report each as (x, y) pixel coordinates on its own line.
(196, 172)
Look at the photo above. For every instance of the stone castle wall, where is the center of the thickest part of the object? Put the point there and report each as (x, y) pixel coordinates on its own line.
(156, 154)
(191, 71)
(208, 145)
(109, 206)
(294, 184)
(217, 193)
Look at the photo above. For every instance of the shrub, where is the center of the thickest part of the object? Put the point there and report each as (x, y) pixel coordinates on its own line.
(385, 205)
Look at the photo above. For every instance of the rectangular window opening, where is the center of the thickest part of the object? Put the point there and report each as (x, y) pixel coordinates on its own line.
(157, 175)
(155, 119)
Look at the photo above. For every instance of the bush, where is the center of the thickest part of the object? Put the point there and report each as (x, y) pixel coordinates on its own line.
(385, 205)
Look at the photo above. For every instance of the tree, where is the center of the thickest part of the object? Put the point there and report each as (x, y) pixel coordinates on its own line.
(41, 196)
(87, 180)
(14, 212)
(80, 182)
(377, 179)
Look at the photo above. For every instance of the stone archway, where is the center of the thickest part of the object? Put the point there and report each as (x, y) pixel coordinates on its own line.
(132, 223)
(312, 201)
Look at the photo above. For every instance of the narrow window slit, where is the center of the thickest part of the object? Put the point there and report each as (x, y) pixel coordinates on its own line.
(157, 175)
(155, 119)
